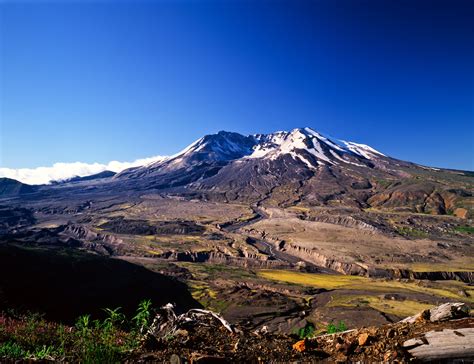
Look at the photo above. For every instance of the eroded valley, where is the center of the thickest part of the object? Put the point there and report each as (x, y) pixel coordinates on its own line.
(257, 264)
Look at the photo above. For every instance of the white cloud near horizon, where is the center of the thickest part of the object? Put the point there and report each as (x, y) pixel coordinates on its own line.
(61, 171)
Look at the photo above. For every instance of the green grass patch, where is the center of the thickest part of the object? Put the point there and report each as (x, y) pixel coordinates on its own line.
(208, 272)
(403, 308)
(335, 281)
(464, 229)
(384, 183)
(309, 330)
(333, 328)
(460, 265)
(411, 232)
(12, 350)
(30, 337)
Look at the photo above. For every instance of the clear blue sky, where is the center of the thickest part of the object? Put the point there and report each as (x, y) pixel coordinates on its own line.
(98, 81)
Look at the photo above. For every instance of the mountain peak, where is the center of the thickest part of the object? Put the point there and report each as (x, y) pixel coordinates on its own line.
(312, 148)
(305, 146)
(223, 145)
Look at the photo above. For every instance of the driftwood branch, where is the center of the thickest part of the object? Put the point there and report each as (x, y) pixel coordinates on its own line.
(167, 323)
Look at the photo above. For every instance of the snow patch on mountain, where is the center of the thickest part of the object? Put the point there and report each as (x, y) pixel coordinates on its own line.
(362, 150)
(326, 150)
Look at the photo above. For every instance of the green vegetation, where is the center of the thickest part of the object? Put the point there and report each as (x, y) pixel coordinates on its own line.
(459, 265)
(411, 232)
(307, 331)
(327, 281)
(383, 182)
(333, 281)
(89, 341)
(401, 309)
(207, 296)
(340, 327)
(12, 351)
(142, 318)
(208, 272)
(464, 229)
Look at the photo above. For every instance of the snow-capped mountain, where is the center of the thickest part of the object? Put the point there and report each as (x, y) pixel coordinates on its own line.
(254, 165)
(303, 145)
(222, 146)
(287, 168)
(200, 159)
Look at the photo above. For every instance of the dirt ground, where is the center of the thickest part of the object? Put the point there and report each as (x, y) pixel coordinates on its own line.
(211, 345)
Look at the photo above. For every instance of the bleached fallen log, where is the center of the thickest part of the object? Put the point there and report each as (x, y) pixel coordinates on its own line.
(444, 312)
(412, 343)
(449, 311)
(446, 344)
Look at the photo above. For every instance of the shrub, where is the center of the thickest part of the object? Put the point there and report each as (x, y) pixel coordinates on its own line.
(32, 337)
(114, 317)
(332, 329)
(306, 331)
(12, 350)
(142, 318)
(45, 352)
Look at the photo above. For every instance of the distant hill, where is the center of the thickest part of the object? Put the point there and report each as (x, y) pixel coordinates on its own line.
(11, 187)
(100, 175)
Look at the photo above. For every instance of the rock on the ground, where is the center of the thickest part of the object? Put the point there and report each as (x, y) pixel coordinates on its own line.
(363, 338)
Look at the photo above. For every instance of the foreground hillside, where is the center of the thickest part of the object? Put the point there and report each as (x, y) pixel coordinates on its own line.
(201, 336)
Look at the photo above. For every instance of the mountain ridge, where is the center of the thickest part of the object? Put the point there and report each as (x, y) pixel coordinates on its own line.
(10, 187)
(224, 146)
(297, 167)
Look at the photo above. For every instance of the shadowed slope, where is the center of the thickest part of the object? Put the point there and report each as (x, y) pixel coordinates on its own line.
(11, 187)
(65, 284)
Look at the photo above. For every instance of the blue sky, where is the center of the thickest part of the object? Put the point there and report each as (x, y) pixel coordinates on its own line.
(98, 81)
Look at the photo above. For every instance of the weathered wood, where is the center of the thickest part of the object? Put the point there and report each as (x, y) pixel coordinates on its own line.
(412, 343)
(449, 311)
(444, 312)
(446, 344)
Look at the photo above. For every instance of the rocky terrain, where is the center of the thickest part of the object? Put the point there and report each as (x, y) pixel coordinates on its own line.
(443, 333)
